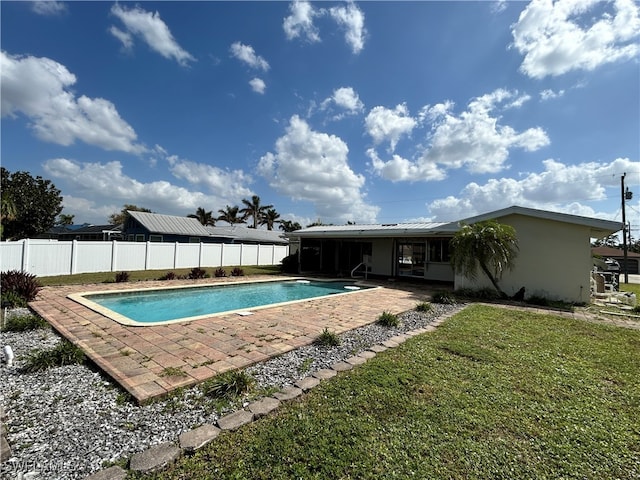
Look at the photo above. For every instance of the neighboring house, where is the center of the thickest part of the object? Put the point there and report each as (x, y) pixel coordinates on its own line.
(92, 232)
(153, 227)
(554, 259)
(83, 232)
(633, 258)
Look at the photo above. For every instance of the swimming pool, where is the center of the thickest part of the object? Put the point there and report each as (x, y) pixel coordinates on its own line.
(169, 305)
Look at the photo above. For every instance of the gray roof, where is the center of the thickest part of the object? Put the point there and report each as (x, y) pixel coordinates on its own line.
(599, 228)
(245, 234)
(170, 224)
(383, 230)
(174, 225)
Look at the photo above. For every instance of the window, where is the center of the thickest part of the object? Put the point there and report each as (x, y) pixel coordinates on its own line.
(131, 237)
(139, 237)
(194, 239)
(411, 259)
(155, 238)
(439, 250)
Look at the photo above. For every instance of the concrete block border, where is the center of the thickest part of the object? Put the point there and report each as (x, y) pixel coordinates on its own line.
(161, 456)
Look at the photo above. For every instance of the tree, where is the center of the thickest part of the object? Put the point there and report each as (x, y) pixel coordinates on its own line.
(609, 241)
(252, 208)
(29, 205)
(270, 218)
(64, 220)
(289, 226)
(204, 217)
(490, 245)
(119, 218)
(230, 215)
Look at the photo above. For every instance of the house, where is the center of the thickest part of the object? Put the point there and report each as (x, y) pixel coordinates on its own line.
(554, 259)
(153, 227)
(633, 258)
(85, 232)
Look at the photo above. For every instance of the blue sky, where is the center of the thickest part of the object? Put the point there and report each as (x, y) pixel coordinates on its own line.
(373, 112)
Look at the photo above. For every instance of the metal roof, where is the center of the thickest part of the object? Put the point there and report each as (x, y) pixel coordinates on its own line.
(599, 228)
(383, 230)
(170, 224)
(246, 234)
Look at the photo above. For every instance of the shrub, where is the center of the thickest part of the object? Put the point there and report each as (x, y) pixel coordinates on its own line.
(538, 300)
(327, 339)
(168, 276)
(65, 353)
(196, 273)
(228, 384)
(290, 264)
(13, 300)
(220, 272)
(387, 319)
(444, 297)
(480, 294)
(122, 277)
(237, 272)
(23, 323)
(636, 309)
(423, 307)
(17, 285)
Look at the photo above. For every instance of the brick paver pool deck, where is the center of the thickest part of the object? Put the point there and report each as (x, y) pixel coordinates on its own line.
(151, 361)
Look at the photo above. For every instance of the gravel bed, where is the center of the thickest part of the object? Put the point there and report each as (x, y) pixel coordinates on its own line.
(67, 422)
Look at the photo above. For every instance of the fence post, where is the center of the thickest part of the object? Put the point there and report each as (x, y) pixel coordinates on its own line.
(273, 254)
(241, 252)
(222, 254)
(114, 255)
(147, 256)
(200, 256)
(258, 253)
(74, 256)
(25, 255)
(175, 255)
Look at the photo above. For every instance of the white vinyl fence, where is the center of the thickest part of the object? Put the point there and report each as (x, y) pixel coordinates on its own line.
(49, 257)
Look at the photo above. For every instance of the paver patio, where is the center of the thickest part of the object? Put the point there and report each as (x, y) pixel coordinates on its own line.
(139, 357)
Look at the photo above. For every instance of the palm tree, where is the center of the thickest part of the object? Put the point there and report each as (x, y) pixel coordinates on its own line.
(230, 215)
(269, 218)
(254, 209)
(490, 245)
(204, 217)
(289, 226)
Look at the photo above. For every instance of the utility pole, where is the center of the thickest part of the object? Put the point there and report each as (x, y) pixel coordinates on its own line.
(626, 195)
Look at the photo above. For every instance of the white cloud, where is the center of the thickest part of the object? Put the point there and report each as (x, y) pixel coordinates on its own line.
(246, 54)
(346, 99)
(555, 38)
(125, 38)
(49, 7)
(300, 21)
(40, 88)
(313, 166)
(155, 33)
(384, 124)
(351, 18)
(98, 189)
(401, 169)
(559, 187)
(473, 139)
(258, 85)
(227, 184)
(548, 94)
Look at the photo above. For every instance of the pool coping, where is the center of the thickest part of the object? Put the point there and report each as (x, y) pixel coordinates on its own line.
(80, 297)
(144, 361)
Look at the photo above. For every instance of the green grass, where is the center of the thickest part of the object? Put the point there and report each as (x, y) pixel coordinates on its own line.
(630, 287)
(491, 393)
(142, 275)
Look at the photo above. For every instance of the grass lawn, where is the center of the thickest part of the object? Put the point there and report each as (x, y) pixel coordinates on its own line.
(141, 275)
(493, 393)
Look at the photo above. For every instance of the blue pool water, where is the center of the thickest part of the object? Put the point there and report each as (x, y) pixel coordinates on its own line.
(170, 304)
